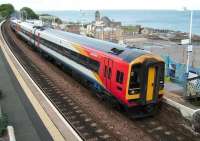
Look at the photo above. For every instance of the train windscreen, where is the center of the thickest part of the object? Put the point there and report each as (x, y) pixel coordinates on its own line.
(135, 79)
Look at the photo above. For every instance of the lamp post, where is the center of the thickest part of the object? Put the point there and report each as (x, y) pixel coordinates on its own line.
(189, 49)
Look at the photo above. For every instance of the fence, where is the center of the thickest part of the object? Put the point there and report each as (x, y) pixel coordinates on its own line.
(177, 73)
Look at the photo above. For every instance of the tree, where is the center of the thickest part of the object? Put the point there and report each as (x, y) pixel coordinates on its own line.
(29, 13)
(58, 20)
(6, 10)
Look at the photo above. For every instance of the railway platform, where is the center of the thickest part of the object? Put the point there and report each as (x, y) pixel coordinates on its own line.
(173, 95)
(20, 112)
(176, 92)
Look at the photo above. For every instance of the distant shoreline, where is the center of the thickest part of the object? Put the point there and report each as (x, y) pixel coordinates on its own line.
(174, 20)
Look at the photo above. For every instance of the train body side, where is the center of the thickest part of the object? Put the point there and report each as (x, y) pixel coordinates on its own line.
(112, 75)
(99, 80)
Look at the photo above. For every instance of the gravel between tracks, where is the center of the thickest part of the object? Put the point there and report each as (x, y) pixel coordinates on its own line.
(141, 130)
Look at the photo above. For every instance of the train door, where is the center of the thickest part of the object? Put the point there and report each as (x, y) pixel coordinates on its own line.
(150, 83)
(36, 38)
(153, 73)
(108, 66)
(30, 37)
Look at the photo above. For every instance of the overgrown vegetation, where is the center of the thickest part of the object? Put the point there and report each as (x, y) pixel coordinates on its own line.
(6, 10)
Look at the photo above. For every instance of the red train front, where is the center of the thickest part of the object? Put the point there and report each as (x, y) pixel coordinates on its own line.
(134, 76)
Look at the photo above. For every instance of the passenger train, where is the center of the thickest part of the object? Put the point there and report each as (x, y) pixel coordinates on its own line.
(133, 77)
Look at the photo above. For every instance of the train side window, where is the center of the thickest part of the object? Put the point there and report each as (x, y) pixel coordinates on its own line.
(120, 77)
(135, 79)
(81, 59)
(105, 71)
(109, 73)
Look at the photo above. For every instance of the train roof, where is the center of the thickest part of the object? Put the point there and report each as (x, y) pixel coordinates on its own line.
(126, 53)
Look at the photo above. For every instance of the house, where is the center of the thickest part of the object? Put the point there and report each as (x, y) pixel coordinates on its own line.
(74, 28)
(105, 29)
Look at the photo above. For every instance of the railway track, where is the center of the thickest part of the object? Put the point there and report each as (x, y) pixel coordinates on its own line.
(167, 126)
(86, 127)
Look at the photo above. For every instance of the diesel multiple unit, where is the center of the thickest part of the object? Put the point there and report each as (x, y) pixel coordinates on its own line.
(131, 76)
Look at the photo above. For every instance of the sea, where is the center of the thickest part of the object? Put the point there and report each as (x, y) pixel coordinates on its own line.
(160, 19)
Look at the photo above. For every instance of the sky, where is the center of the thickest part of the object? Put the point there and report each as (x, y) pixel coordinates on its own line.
(45, 5)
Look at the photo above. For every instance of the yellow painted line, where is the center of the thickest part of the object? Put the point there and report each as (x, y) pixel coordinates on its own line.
(54, 132)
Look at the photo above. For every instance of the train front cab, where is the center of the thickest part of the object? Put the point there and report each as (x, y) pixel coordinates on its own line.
(146, 81)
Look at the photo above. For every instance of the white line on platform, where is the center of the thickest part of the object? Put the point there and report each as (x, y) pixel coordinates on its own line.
(11, 133)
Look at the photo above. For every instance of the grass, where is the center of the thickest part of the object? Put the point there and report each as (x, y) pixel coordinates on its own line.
(130, 28)
(167, 79)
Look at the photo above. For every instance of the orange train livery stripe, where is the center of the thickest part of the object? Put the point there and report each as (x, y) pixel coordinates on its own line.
(98, 78)
(80, 49)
